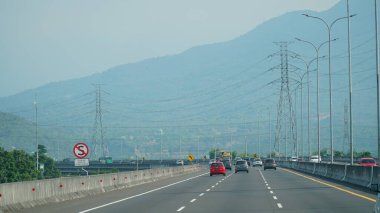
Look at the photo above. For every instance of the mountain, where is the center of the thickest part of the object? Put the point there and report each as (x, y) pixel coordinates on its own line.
(222, 90)
(18, 133)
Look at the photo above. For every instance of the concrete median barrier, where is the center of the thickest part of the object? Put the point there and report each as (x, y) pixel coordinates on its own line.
(19, 195)
(363, 176)
(336, 172)
(321, 169)
(359, 175)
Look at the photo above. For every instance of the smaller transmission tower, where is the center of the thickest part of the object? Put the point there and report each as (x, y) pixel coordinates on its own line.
(98, 133)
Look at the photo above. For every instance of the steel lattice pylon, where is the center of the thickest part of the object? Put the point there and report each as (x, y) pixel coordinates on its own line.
(98, 135)
(286, 130)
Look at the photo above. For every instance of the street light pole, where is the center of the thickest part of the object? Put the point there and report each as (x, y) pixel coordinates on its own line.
(378, 84)
(350, 136)
(162, 132)
(198, 149)
(36, 131)
(270, 137)
(318, 120)
(330, 80)
(307, 64)
(180, 148)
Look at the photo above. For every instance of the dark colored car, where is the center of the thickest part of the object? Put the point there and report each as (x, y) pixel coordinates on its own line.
(227, 164)
(241, 165)
(270, 164)
(217, 168)
(248, 160)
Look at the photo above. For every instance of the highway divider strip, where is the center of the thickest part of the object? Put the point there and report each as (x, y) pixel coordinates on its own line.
(330, 185)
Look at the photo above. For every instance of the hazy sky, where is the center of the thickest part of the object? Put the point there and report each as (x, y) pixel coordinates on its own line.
(43, 41)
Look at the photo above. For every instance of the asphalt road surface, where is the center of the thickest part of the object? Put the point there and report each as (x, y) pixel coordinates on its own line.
(278, 190)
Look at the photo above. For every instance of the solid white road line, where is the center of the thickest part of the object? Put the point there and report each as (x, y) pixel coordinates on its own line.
(279, 205)
(138, 195)
(180, 209)
(192, 201)
(201, 194)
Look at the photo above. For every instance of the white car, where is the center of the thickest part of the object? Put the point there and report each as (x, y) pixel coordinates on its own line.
(179, 162)
(315, 159)
(257, 162)
(293, 158)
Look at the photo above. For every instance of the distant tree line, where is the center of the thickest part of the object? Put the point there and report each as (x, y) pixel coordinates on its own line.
(326, 152)
(17, 165)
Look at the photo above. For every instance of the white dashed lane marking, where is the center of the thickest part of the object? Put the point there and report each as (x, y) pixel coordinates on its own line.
(200, 195)
(269, 188)
(180, 209)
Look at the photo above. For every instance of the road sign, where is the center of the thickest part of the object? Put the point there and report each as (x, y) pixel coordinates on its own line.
(81, 162)
(190, 157)
(80, 150)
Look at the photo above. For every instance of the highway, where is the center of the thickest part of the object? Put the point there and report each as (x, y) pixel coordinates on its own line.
(278, 190)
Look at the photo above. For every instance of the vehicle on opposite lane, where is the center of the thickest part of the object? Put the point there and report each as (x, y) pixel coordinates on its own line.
(367, 162)
(179, 162)
(217, 168)
(314, 159)
(241, 165)
(270, 164)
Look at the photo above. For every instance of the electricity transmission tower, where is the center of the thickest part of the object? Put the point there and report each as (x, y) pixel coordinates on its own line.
(286, 130)
(98, 133)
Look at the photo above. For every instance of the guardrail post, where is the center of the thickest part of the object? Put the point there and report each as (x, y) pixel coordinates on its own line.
(370, 180)
(345, 172)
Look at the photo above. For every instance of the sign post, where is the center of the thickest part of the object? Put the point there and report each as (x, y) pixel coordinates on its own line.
(190, 157)
(80, 151)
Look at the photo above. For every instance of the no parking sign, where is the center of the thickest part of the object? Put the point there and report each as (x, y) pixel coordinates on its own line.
(80, 150)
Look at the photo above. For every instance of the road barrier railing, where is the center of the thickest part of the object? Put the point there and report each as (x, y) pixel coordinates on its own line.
(363, 176)
(19, 195)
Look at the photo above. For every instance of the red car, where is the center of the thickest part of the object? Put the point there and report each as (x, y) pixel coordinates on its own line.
(217, 168)
(367, 162)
